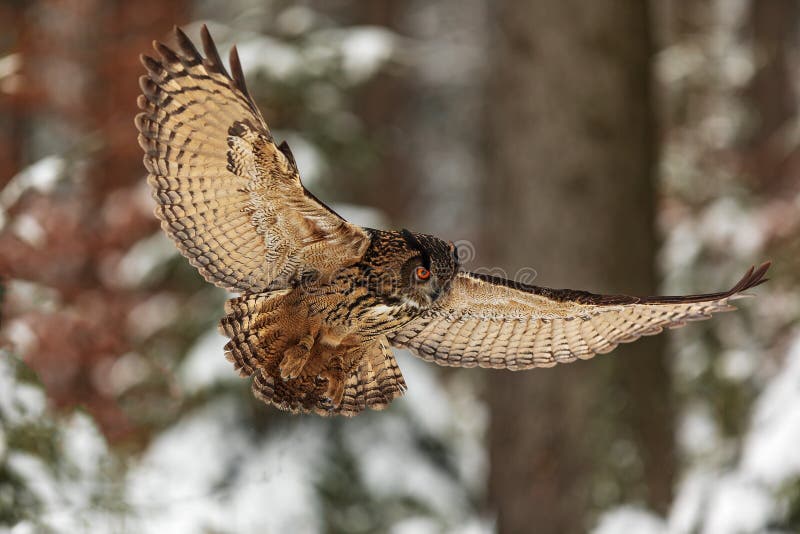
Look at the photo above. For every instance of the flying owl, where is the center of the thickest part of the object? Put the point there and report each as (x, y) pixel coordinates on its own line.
(323, 300)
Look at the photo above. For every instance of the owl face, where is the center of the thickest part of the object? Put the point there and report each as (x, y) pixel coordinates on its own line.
(408, 269)
(427, 270)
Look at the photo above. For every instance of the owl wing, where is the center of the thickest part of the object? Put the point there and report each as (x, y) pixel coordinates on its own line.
(491, 322)
(227, 195)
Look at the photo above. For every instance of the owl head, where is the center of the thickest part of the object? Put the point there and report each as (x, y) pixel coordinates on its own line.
(415, 269)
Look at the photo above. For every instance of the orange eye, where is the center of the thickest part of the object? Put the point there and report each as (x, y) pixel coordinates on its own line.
(422, 273)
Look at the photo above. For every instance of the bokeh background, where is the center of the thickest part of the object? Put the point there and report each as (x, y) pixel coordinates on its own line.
(611, 146)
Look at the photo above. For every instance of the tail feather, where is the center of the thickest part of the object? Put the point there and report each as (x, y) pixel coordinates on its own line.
(376, 382)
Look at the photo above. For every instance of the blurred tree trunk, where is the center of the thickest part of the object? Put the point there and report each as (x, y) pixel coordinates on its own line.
(570, 192)
(775, 154)
(10, 92)
(386, 99)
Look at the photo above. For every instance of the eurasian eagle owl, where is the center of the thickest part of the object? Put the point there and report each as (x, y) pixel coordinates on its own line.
(323, 300)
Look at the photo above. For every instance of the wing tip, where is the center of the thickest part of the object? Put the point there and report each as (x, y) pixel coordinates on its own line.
(188, 55)
(167, 54)
(213, 61)
(151, 64)
(237, 72)
(186, 45)
(752, 278)
(148, 86)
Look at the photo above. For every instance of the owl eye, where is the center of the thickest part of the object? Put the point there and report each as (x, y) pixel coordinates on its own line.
(422, 273)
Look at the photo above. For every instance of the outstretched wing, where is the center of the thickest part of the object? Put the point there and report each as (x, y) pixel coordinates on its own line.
(491, 322)
(227, 195)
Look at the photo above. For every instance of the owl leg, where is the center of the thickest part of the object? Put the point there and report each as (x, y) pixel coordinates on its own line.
(295, 358)
(336, 377)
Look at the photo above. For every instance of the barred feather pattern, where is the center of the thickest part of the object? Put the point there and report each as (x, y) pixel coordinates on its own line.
(495, 323)
(226, 194)
(261, 327)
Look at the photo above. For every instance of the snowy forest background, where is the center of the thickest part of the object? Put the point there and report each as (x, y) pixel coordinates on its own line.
(614, 147)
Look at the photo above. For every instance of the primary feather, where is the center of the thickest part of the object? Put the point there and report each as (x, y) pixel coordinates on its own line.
(227, 195)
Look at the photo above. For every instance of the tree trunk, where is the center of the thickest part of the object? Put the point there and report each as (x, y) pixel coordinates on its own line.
(774, 152)
(570, 192)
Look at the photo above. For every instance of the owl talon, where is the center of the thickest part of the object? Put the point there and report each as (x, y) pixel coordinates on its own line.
(335, 389)
(295, 358)
(335, 392)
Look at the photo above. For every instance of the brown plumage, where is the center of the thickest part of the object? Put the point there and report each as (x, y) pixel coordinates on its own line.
(322, 299)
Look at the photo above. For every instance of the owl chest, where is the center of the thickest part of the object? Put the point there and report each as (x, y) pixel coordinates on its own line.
(356, 312)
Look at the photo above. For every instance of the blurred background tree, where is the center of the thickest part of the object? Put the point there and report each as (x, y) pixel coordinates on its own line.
(604, 144)
(570, 187)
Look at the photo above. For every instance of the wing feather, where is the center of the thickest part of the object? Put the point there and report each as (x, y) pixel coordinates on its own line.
(226, 194)
(492, 322)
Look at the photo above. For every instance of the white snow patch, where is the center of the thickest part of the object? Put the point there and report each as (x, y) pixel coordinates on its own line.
(66, 489)
(41, 176)
(269, 55)
(736, 365)
(362, 215)
(691, 501)
(25, 527)
(364, 50)
(629, 520)
(737, 505)
(727, 225)
(144, 257)
(386, 442)
(10, 64)
(151, 315)
(390, 466)
(68, 502)
(772, 448)
(698, 433)
(470, 419)
(28, 229)
(426, 400)
(677, 62)
(296, 20)
(205, 365)
(126, 371)
(681, 247)
(30, 296)
(310, 161)
(416, 525)
(209, 473)
(38, 478)
(84, 446)
(22, 337)
(743, 498)
(739, 67)
(19, 402)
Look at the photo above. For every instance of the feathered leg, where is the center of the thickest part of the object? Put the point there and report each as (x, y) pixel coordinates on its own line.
(295, 358)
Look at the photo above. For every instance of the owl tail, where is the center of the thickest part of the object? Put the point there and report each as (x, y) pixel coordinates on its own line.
(334, 381)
